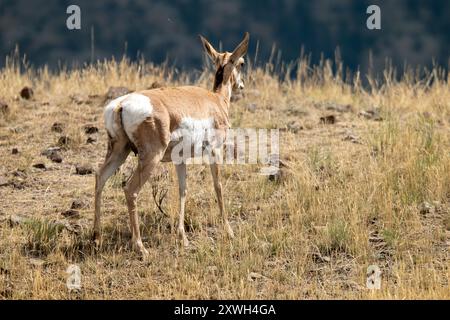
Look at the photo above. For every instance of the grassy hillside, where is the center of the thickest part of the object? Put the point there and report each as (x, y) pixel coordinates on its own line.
(369, 186)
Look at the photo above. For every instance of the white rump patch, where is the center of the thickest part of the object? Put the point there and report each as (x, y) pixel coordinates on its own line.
(108, 115)
(194, 130)
(135, 109)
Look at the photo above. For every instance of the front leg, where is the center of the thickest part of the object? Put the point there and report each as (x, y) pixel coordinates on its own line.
(181, 173)
(218, 189)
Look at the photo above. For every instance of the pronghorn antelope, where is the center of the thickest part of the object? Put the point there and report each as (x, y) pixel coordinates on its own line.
(149, 123)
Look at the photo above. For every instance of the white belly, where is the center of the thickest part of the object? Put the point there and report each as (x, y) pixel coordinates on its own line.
(193, 131)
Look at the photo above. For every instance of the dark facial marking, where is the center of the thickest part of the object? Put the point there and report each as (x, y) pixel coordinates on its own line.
(218, 78)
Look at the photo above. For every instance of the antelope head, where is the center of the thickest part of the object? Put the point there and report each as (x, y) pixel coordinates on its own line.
(228, 66)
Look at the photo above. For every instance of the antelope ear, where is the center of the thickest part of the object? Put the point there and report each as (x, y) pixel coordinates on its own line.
(240, 50)
(212, 53)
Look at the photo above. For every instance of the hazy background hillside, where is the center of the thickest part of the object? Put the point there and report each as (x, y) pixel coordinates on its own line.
(412, 31)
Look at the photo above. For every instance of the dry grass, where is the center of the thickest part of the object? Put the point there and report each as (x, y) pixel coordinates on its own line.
(349, 199)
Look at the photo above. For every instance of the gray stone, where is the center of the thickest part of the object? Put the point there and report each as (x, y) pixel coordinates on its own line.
(83, 169)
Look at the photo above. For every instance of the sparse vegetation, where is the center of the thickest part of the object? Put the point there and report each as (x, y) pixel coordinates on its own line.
(42, 236)
(341, 205)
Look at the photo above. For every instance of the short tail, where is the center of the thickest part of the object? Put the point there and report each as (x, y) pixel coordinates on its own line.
(120, 131)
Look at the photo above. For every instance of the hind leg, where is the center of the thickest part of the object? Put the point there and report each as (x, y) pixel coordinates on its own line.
(147, 162)
(117, 154)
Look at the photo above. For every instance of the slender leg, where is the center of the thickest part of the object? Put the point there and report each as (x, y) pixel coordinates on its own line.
(147, 163)
(116, 156)
(181, 173)
(218, 189)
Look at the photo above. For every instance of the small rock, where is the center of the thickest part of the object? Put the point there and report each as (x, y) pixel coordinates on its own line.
(4, 108)
(352, 138)
(90, 129)
(53, 154)
(64, 141)
(425, 208)
(18, 184)
(156, 85)
(55, 157)
(4, 182)
(90, 140)
(297, 111)
(437, 205)
(79, 99)
(47, 152)
(115, 92)
(74, 227)
(372, 114)
(39, 166)
(330, 119)
(83, 169)
(26, 93)
(15, 151)
(78, 204)
(57, 127)
(253, 276)
(71, 213)
(294, 127)
(273, 173)
(37, 262)
(16, 130)
(276, 176)
(318, 258)
(15, 220)
(19, 173)
(251, 107)
(274, 170)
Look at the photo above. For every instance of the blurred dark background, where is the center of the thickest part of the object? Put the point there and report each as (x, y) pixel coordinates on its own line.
(413, 31)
